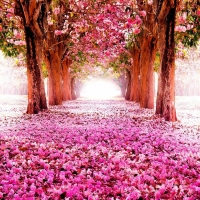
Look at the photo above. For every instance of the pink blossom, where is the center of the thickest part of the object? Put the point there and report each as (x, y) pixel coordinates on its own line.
(17, 34)
(39, 190)
(150, 2)
(143, 13)
(46, 166)
(56, 11)
(134, 195)
(62, 175)
(9, 164)
(58, 32)
(190, 26)
(198, 12)
(130, 21)
(9, 15)
(93, 149)
(136, 31)
(157, 195)
(182, 18)
(50, 22)
(33, 187)
(11, 10)
(22, 42)
(138, 20)
(180, 28)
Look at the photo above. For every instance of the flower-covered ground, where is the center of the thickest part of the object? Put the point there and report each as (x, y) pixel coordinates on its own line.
(93, 150)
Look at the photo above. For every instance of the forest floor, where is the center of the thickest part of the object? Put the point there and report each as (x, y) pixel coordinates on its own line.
(109, 149)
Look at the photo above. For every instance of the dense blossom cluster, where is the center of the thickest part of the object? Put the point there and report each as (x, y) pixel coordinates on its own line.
(96, 28)
(97, 150)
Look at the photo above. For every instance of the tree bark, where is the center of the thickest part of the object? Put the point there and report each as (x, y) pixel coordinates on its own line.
(55, 81)
(148, 53)
(135, 76)
(165, 104)
(33, 17)
(36, 91)
(66, 85)
(128, 90)
(73, 92)
(148, 46)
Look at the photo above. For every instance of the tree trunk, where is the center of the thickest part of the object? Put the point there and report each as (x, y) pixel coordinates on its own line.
(128, 90)
(135, 76)
(55, 81)
(165, 104)
(36, 91)
(33, 16)
(66, 85)
(147, 57)
(73, 93)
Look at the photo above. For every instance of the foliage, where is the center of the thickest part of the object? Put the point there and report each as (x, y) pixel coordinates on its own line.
(157, 62)
(44, 70)
(11, 39)
(188, 27)
(7, 48)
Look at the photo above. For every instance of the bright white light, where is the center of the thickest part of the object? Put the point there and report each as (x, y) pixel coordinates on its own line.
(100, 89)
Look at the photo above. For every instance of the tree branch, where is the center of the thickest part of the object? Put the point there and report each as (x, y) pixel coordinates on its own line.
(26, 14)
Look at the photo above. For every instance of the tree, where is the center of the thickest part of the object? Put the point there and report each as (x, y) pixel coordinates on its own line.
(143, 49)
(33, 17)
(30, 18)
(55, 50)
(165, 104)
(166, 90)
(135, 75)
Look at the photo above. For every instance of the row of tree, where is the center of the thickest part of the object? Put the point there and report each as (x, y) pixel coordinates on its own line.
(159, 36)
(66, 35)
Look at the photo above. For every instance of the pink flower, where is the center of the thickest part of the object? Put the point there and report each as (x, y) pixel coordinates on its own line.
(157, 195)
(9, 15)
(21, 42)
(39, 190)
(87, 193)
(17, 34)
(46, 166)
(143, 13)
(190, 26)
(180, 28)
(50, 22)
(9, 164)
(11, 10)
(11, 192)
(33, 187)
(62, 175)
(136, 31)
(56, 11)
(198, 12)
(182, 19)
(58, 32)
(138, 20)
(134, 195)
(150, 2)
